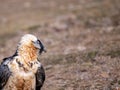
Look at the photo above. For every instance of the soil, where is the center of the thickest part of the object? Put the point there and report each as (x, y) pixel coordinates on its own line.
(82, 38)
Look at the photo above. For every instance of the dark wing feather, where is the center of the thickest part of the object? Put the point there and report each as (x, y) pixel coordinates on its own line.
(5, 71)
(40, 78)
(4, 74)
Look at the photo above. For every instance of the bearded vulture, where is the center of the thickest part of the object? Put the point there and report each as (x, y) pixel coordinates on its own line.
(23, 71)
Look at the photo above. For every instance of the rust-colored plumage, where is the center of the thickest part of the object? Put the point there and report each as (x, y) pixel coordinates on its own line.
(23, 71)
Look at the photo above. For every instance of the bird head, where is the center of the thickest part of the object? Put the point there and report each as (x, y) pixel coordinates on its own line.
(29, 40)
(38, 44)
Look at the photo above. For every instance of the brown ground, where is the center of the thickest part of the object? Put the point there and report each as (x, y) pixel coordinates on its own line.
(82, 38)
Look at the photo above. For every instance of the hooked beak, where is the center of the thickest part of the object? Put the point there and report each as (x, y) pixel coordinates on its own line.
(38, 44)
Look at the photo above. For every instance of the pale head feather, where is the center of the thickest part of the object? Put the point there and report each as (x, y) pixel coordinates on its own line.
(26, 49)
(28, 38)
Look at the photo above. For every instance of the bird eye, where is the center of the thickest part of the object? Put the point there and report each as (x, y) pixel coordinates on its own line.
(36, 44)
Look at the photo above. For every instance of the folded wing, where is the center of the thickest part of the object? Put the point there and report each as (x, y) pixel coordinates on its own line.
(40, 77)
(4, 73)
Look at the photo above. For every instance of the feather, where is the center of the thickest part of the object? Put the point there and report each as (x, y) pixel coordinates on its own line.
(4, 73)
(40, 78)
(23, 71)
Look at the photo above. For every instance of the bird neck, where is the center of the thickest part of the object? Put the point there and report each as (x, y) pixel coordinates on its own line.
(28, 53)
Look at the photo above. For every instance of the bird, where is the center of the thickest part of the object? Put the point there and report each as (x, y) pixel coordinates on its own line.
(23, 70)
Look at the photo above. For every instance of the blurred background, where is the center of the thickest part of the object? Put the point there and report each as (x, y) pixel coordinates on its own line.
(82, 38)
